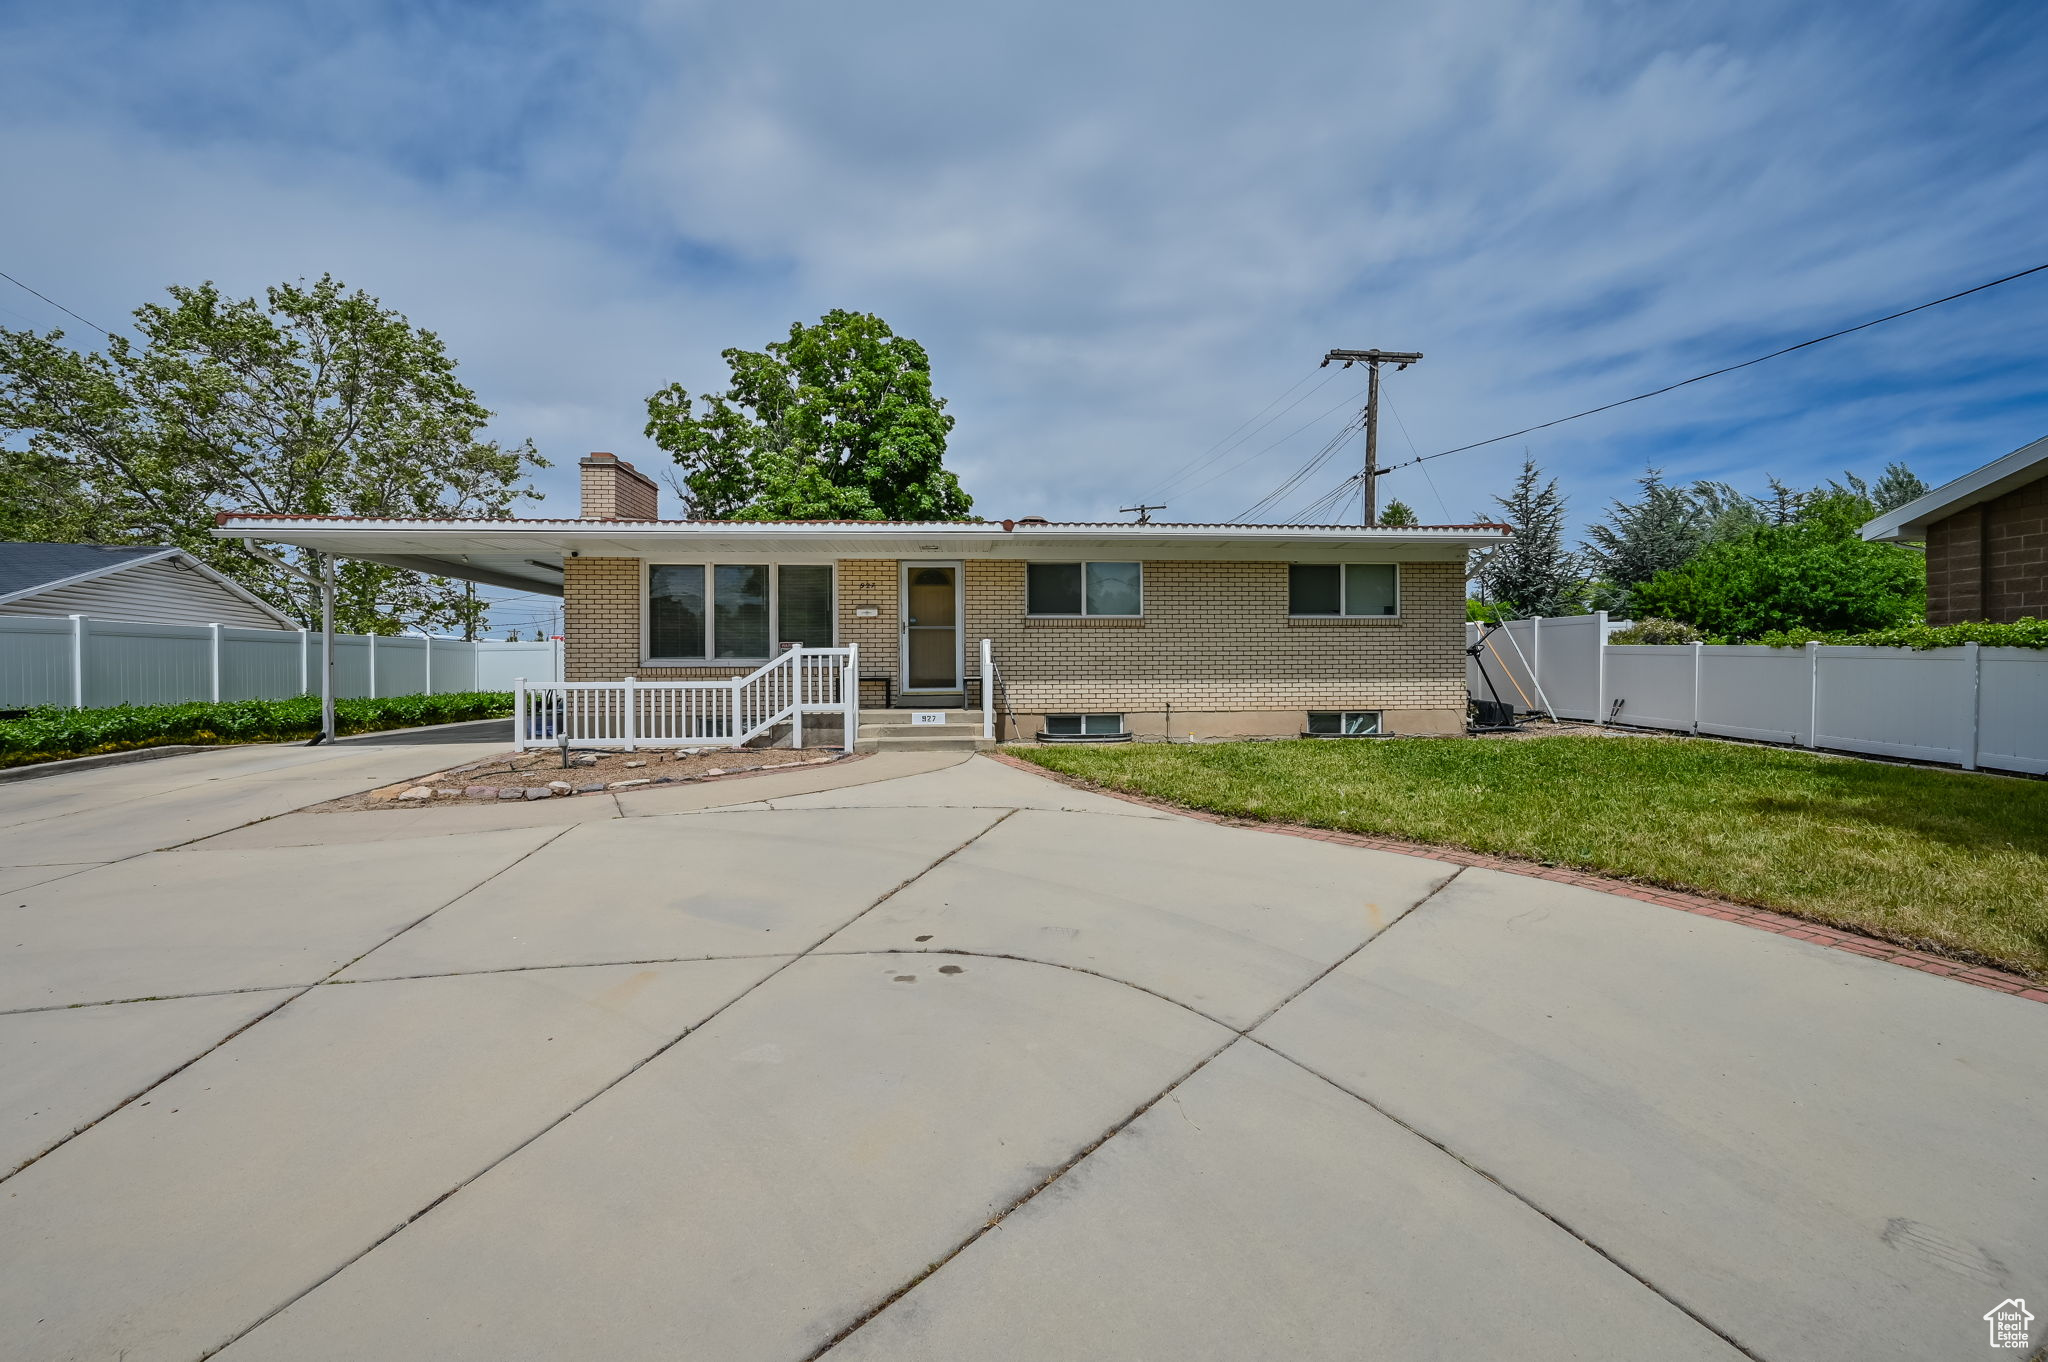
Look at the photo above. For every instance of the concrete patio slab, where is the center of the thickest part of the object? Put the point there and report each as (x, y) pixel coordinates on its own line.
(176, 1223)
(769, 1180)
(1257, 1212)
(65, 1069)
(677, 888)
(1821, 1153)
(127, 827)
(974, 783)
(1228, 921)
(356, 827)
(195, 922)
(13, 877)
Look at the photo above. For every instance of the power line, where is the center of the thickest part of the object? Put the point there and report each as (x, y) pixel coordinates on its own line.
(1313, 420)
(1229, 444)
(1727, 369)
(1307, 470)
(54, 303)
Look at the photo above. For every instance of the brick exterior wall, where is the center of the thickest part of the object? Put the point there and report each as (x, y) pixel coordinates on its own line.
(1990, 562)
(615, 490)
(1215, 638)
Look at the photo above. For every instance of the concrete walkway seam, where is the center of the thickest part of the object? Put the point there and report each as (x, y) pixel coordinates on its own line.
(632, 1069)
(267, 1013)
(1235, 1036)
(1726, 910)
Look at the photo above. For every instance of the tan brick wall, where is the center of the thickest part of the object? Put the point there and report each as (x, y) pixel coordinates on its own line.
(1215, 637)
(1990, 562)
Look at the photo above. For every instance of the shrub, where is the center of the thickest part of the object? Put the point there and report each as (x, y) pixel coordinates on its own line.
(2023, 633)
(1657, 631)
(50, 733)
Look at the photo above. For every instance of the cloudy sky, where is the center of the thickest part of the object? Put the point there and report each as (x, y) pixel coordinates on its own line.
(1122, 229)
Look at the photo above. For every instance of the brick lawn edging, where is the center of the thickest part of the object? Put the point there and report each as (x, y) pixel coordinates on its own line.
(1997, 980)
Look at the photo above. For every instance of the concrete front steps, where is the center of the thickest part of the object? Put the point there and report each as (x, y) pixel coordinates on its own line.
(895, 730)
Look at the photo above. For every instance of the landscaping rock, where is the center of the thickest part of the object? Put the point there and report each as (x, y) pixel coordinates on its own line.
(446, 794)
(628, 784)
(536, 792)
(481, 791)
(715, 771)
(635, 763)
(561, 787)
(597, 788)
(511, 794)
(418, 792)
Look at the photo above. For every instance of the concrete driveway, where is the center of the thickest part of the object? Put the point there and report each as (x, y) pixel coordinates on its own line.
(922, 1057)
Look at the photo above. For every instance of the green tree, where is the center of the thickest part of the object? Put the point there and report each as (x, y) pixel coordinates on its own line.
(1898, 486)
(836, 423)
(1815, 572)
(1398, 514)
(1722, 512)
(314, 400)
(1533, 573)
(1658, 531)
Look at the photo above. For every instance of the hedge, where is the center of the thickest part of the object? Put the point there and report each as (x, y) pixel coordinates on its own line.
(2024, 633)
(51, 733)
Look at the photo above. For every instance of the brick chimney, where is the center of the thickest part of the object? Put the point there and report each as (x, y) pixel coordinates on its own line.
(615, 490)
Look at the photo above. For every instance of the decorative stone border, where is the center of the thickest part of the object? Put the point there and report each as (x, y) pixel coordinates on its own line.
(1983, 976)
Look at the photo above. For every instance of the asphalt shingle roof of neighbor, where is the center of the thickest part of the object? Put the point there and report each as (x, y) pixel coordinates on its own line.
(23, 567)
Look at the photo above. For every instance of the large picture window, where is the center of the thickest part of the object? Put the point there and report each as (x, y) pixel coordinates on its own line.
(1344, 589)
(722, 612)
(1084, 589)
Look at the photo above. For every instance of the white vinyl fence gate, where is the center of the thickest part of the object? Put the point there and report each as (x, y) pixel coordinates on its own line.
(1972, 706)
(80, 661)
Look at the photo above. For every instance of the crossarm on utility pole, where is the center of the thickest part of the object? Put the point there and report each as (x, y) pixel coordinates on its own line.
(1369, 502)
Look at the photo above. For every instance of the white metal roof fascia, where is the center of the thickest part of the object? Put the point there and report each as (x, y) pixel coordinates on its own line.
(1979, 485)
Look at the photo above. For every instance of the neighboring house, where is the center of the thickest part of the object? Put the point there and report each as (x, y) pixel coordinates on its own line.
(1155, 629)
(152, 585)
(1987, 540)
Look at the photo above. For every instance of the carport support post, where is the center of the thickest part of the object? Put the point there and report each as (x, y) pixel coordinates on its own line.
(849, 697)
(213, 683)
(327, 733)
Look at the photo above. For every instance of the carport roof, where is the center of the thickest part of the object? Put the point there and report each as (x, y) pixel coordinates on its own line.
(528, 554)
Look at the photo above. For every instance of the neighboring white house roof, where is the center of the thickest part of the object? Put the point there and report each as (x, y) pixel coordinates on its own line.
(527, 554)
(1993, 480)
(151, 583)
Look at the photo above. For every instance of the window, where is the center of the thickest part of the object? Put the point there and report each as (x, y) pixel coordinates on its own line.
(804, 604)
(1347, 723)
(1344, 589)
(1085, 589)
(1083, 725)
(700, 612)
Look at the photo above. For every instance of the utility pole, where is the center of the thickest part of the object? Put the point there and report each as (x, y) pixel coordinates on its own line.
(1373, 359)
(1144, 512)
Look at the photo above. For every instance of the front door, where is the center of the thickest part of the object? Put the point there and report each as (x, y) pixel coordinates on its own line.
(931, 626)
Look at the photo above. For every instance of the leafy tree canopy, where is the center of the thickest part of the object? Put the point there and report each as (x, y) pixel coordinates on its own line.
(1814, 572)
(314, 400)
(836, 423)
(1397, 514)
(1533, 573)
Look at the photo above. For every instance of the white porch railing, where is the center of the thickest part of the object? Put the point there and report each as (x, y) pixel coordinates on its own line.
(632, 713)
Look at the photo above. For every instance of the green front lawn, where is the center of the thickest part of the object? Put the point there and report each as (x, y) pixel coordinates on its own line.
(1948, 861)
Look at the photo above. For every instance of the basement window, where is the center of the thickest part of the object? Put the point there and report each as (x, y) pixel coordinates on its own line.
(1344, 723)
(1083, 728)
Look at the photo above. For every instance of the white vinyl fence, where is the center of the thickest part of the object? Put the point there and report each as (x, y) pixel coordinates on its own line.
(80, 661)
(1972, 706)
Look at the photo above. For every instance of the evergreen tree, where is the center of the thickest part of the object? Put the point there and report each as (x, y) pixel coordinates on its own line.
(1398, 514)
(1897, 487)
(1533, 573)
(1659, 531)
(1722, 512)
